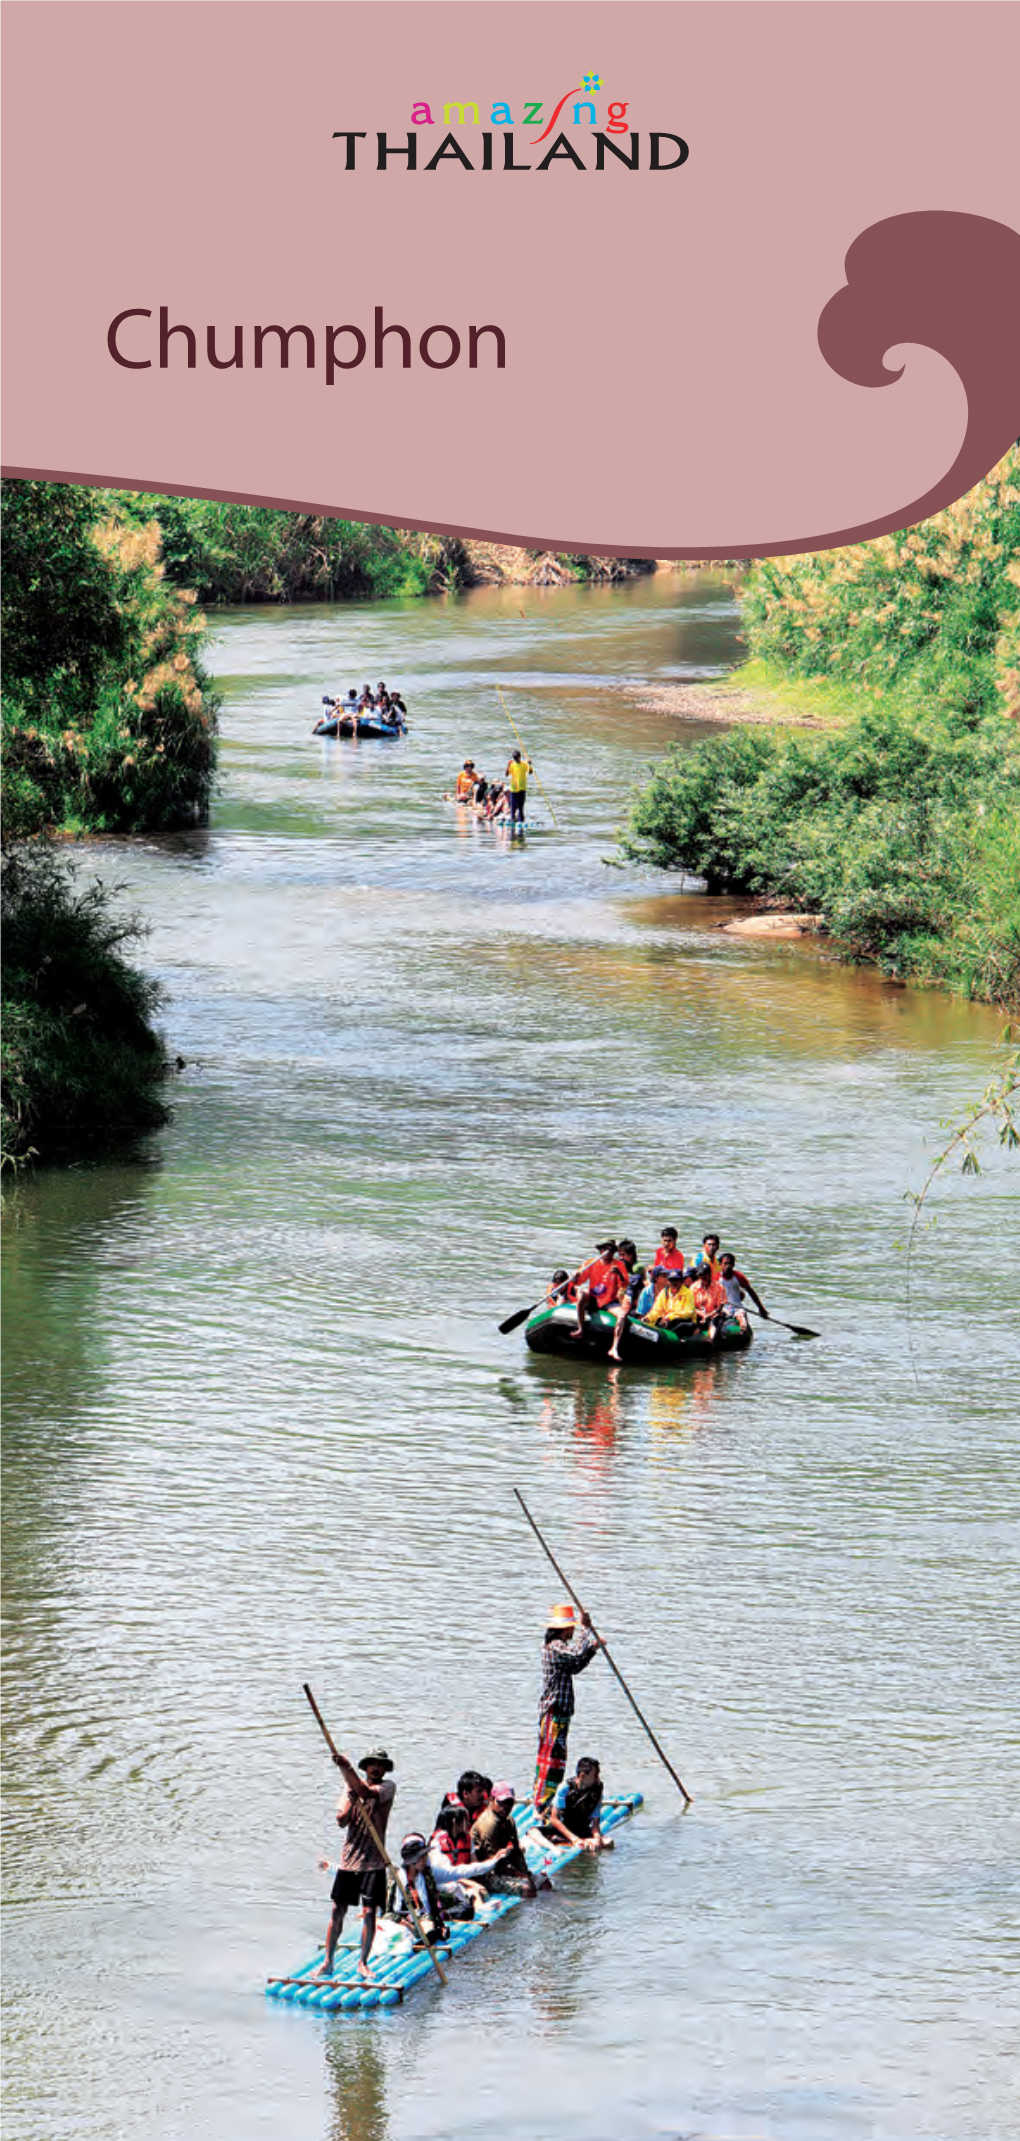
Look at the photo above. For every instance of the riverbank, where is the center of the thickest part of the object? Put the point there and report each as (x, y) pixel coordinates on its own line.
(109, 727)
(757, 695)
(897, 821)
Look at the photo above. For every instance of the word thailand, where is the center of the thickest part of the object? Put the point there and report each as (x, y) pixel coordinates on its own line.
(340, 349)
(666, 152)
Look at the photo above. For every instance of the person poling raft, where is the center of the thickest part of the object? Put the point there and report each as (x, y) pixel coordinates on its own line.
(449, 1888)
(367, 713)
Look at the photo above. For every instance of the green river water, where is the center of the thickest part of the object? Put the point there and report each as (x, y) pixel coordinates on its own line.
(260, 1427)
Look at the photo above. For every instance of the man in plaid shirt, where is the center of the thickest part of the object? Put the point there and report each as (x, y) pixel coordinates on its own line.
(568, 1649)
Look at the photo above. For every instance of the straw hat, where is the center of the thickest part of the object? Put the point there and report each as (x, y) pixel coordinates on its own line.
(561, 1617)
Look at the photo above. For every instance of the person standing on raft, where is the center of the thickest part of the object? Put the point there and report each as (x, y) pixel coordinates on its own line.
(517, 773)
(360, 1876)
(567, 1649)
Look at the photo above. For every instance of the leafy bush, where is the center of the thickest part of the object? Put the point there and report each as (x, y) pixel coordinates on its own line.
(237, 553)
(932, 611)
(903, 833)
(108, 717)
(80, 1055)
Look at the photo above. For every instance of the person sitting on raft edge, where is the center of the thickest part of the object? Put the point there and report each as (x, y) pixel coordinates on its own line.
(361, 1873)
(597, 1284)
(735, 1285)
(466, 782)
(573, 1817)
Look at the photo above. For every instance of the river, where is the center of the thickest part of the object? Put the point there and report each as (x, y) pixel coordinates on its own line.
(260, 1428)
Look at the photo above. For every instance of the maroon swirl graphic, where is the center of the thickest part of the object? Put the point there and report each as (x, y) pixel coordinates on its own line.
(938, 277)
(952, 282)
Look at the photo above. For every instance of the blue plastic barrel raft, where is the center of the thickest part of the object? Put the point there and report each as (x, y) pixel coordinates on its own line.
(397, 1966)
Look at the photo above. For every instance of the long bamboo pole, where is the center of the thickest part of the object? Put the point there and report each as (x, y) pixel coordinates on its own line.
(613, 1667)
(523, 746)
(366, 1817)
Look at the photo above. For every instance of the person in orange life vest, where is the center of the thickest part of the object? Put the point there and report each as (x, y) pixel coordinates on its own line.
(735, 1284)
(633, 1277)
(708, 1253)
(598, 1284)
(466, 782)
(667, 1256)
(711, 1306)
(559, 1288)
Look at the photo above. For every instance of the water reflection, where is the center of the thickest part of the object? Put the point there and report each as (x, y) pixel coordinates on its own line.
(261, 1427)
(355, 2086)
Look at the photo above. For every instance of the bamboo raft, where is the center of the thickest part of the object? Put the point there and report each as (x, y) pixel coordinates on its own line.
(397, 1967)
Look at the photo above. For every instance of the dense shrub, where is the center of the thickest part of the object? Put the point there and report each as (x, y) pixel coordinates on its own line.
(237, 553)
(108, 716)
(902, 828)
(932, 612)
(81, 1058)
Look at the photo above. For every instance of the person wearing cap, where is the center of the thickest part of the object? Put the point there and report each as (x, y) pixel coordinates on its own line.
(567, 1649)
(459, 1876)
(674, 1300)
(466, 782)
(420, 1883)
(496, 1831)
(596, 1285)
(573, 1817)
(360, 1876)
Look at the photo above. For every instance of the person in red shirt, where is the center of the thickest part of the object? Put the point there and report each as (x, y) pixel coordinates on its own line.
(598, 1284)
(667, 1256)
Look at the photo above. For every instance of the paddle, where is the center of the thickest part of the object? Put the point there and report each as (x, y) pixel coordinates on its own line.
(366, 1817)
(613, 1667)
(520, 1316)
(800, 1330)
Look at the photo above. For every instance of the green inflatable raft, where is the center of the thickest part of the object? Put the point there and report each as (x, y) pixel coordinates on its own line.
(548, 1331)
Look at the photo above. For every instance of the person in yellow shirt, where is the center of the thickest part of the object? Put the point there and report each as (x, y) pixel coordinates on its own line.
(674, 1303)
(517, 774)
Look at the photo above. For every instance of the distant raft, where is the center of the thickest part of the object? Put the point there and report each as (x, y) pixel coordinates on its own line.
(398, 1966)
(548, 1331)
(341, 724)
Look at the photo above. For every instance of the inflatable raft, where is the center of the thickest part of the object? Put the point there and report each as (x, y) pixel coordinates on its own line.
(398, 1964)
(368, 725)
(548, 1331)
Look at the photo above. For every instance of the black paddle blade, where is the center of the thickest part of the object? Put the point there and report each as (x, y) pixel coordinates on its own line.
(521, 1316)
(800, 1330)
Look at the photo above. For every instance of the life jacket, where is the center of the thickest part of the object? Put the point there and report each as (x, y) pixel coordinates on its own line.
(456, 1848)
(582, 1804)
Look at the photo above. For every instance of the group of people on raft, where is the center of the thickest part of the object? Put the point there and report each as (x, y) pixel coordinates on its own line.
(474, 1848)
(369, 705)
(494, 800)
(667, 1293)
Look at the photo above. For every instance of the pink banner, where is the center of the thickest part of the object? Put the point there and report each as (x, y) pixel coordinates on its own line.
(673, 279)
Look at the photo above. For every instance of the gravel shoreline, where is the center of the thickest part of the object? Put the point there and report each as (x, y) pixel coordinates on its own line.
(706, 703)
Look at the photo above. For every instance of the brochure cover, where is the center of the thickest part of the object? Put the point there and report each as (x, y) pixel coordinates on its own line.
(511, 891)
